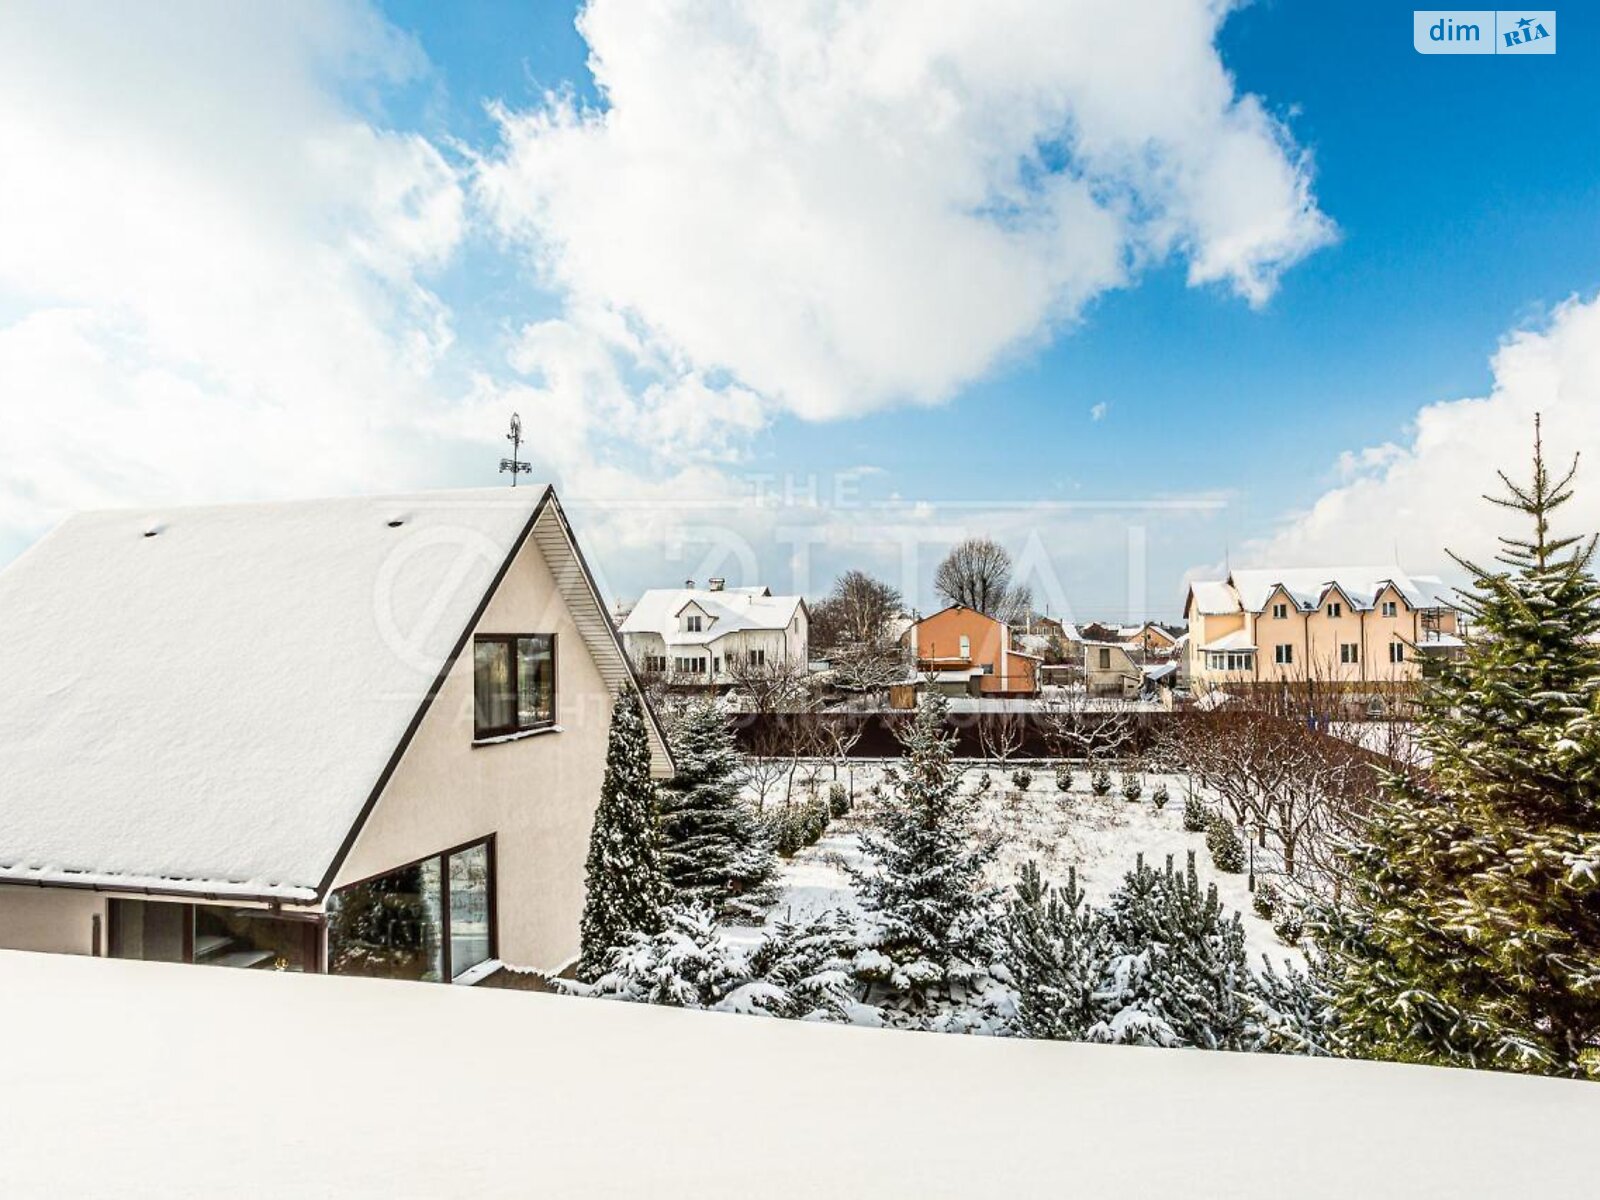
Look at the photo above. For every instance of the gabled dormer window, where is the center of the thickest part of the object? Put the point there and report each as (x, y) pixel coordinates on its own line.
(691, 623)
(1390, 608)
(1280, 612)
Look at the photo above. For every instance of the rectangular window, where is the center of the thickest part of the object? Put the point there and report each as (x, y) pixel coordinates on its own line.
(758, 658)
(966, 646)
(1283, 654)
(692, 623)
(1349, 652)
(428, 921)
(1280, 612)
(212, 935)
(514, 683)
(1336, 609)
(1397, 652)
(1105, 660)
(1390, 608)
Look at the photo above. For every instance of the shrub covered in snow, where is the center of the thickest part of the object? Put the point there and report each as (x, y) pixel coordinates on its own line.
(1196, 816)
(802, 971)
(1132, 786)
(1264, 900)
(1290, 923)
(1022, 779)
(1063, 778)
(1160, 796)
(1222, 839)
(838, 800)
(1100, 781)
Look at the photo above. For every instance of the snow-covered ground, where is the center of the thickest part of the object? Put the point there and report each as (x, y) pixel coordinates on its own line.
(135, 1079)
(1099, 835)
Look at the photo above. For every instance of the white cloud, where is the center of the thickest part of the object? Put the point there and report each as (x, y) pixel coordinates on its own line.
(1098, 411)
(846, 205)
(211, 266)
(1425, 497)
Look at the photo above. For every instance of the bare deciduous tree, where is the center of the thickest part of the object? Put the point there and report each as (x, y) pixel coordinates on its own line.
(977, 573)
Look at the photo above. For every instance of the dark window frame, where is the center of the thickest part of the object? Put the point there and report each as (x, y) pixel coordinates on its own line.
(316, 963)
(482, 733)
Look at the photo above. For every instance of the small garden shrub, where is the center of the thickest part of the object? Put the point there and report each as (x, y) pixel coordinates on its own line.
(1227, 851)
(1132, 786)
(1100, 782)
(1290, 924)
(1265, 899)
(788, 828)
(1063, 779)
(1022, 779)
(814, 821)
(838, 800)
(1160, 796)
(1196, 816)
(984, 784)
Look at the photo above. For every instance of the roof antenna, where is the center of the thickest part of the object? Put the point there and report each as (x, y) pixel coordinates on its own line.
(514, 464)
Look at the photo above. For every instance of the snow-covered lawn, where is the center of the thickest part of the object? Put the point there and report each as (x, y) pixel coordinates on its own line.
(1099, 835)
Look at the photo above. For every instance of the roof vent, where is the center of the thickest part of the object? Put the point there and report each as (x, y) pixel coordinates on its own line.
(153, 527)
(689, 583)
(716, 583)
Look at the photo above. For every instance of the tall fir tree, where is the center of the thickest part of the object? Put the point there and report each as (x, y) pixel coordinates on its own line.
(1472, 937)
(933, 936)
(626, 888)
(713, 848)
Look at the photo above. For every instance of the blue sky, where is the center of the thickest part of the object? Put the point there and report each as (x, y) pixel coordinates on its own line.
(1467, 195)
(1464, 191)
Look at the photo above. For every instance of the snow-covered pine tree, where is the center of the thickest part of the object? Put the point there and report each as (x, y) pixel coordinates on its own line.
(683, 964)
(1471, 936)
(712, 846)
(1057, 950)
(932, 935)
(625, 887)
(1178, 974)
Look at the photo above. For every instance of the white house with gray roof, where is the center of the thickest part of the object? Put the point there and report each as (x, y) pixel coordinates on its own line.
(705, 635)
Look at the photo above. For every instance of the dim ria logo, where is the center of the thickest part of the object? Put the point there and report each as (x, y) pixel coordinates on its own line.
(1484, 31)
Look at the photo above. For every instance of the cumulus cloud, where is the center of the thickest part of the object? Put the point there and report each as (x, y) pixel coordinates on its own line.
(846, 205)
(1098, 412)
(1424, 497)
(212, 268)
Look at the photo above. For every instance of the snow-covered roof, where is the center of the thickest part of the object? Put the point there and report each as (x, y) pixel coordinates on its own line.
(1239, 639)
(976, 1117)
(1213, 597)
(1160, 670)
(728, 610)
(204, 699)
(1308, 585)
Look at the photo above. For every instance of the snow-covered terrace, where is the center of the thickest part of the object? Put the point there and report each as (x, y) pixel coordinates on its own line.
(366, 1088)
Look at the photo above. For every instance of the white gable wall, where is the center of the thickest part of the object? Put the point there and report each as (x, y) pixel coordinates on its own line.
(537, 794)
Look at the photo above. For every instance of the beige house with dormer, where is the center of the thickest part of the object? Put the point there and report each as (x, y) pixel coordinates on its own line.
(1363, 629)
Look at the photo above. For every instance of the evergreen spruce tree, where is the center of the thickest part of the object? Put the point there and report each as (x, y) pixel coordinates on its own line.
(933, 937)
(625, 886)
(712, 846)
(1472, 937)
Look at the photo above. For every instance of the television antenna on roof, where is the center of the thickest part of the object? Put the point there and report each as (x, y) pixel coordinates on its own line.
(514, 464)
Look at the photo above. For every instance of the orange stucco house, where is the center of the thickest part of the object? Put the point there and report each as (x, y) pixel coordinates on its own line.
(965, 652)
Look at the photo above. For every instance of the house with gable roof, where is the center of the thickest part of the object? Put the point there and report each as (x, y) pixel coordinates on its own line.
(704, 635)
(1358, 628)
(364, 736)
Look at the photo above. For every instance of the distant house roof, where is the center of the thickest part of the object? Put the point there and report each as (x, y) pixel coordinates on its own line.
(208, 699)
(728, 610)
(1251, 589)
(1237, 640)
